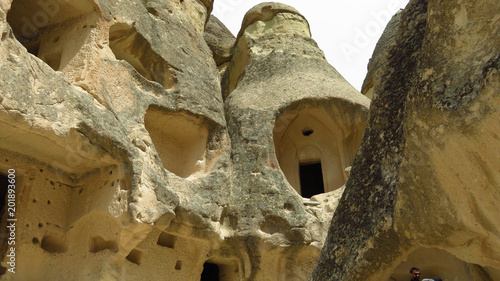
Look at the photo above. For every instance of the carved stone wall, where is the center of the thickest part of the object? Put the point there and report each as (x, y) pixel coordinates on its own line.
(142, 152)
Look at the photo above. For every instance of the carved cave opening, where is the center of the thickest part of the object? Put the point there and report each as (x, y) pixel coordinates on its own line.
(54, 244)
(305, 138)
(54, 31)
(98, 244)
(135, 256)
(180, 140)
(220, 270)
(434, 262)
(178, 265)
(311, 179)
(129, 45)
(167, 240)
(210, 272)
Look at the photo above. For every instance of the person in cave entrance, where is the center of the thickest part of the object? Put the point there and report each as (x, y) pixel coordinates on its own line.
(415, 274)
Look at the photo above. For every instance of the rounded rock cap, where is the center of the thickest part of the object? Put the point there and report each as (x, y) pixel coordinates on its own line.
(265, 12)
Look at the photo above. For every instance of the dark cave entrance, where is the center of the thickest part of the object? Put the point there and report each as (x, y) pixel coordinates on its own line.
(210, 272)
(311, 179)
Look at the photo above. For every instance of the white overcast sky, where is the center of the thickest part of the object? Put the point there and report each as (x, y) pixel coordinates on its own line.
(346, 31)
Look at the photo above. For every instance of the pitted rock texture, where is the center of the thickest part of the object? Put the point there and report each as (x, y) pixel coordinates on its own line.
(131, 163)
(425, 182)
(384, 43)
(287, 108)
(220, 40)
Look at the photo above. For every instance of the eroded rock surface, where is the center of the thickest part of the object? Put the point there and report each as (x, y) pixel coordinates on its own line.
(384, 43)
(83, 87)
(424, 187)
(130, 163)
(220, 40)
(287, 109)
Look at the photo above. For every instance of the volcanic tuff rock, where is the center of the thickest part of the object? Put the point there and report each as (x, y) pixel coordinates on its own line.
(129, 161)
(375, 63)
(425, 185)
(286, 107)
(220, 40)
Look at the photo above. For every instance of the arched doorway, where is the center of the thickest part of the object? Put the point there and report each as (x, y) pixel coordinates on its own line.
(313, 150)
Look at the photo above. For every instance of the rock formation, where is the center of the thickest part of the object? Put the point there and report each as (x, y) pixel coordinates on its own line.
(425, 185)
(131, 160)
(375, 63)
(220, 40)
(286, 108)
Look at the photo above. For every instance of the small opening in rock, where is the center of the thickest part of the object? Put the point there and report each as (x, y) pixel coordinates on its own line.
(35, 241)
(54, 245)
(153, 11)
(166, 240)
(178, 265)
(135, 256)
(210, 272)
(307, 132)
(98, 244)
(220, 270)
(311, 179)
(124, 184)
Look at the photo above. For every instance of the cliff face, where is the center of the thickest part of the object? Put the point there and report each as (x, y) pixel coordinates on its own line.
(425, 184)
(146, 141)
(131, 160)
